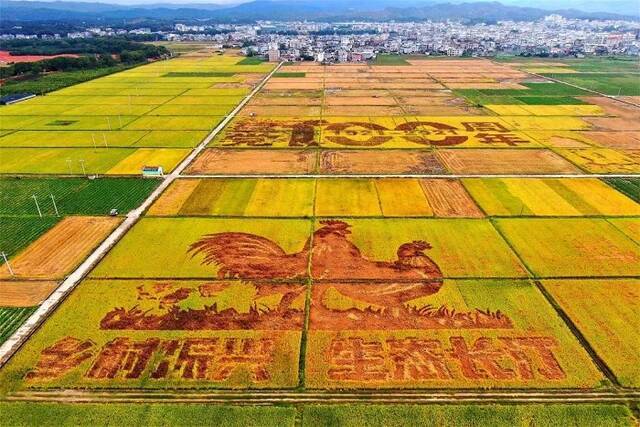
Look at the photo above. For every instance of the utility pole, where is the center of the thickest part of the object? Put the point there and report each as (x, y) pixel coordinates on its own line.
(104, 138)
(35, 199)
(55, 207)
(109, 122)
(93, 138)
(69, 164)
(6, 262)
(83, 169)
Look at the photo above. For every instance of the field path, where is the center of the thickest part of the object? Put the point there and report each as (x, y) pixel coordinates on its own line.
(48, 306)
(264, 397)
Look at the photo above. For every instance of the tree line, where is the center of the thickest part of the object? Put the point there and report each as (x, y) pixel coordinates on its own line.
(97, 53)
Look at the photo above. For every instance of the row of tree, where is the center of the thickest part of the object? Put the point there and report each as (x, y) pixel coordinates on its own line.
(97, 45)
(112, 52)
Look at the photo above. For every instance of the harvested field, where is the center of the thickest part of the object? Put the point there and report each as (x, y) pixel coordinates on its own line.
(280, 110)
(277, 85)
(358, 100)
(439, 110)
(173, 198)
(432, 99)
(18, 232)
(25, 293)
(448, 198)
(224, 161)
(283, 100)
(61, 248)
(623, 140)
(504, 161)
(613, 124)
(379, 162)
(362, 110)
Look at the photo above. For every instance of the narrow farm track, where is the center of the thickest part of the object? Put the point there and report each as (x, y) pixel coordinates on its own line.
(321, 397)
(48, 306)
(406, 176)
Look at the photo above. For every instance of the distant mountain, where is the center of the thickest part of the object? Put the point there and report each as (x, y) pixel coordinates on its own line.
(288, 10)
(623, 7)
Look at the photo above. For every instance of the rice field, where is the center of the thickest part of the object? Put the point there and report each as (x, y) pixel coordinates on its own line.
(141, 109)
(404, 228)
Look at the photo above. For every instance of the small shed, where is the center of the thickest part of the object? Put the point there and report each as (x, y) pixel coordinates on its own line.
(152, 171)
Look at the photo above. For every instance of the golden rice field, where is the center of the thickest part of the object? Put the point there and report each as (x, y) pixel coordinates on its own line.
(148, 115)
(438, 226)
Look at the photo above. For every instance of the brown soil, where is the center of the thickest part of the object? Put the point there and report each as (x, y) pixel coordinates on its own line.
(380, 162)
(226, 161)
(422, 93)
(628, 140)
(359, 100)
(614, 108)
(284, 100)
(430, 100)
(504, 161)
(439, 110)
(60, 249)
(360, 110)
(273, 84)
(449, 198)
(462, 85)
(280, 110)
(613, 123)
(357, 92)
(174, 197)
(24, 293)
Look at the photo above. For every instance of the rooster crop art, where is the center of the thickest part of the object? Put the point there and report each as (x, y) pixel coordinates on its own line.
(333, 257)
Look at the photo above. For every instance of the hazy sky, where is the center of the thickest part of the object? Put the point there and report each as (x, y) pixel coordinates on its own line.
(617, 6)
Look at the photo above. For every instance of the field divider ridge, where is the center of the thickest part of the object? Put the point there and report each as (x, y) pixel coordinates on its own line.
(410, 175)
(20, 336)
